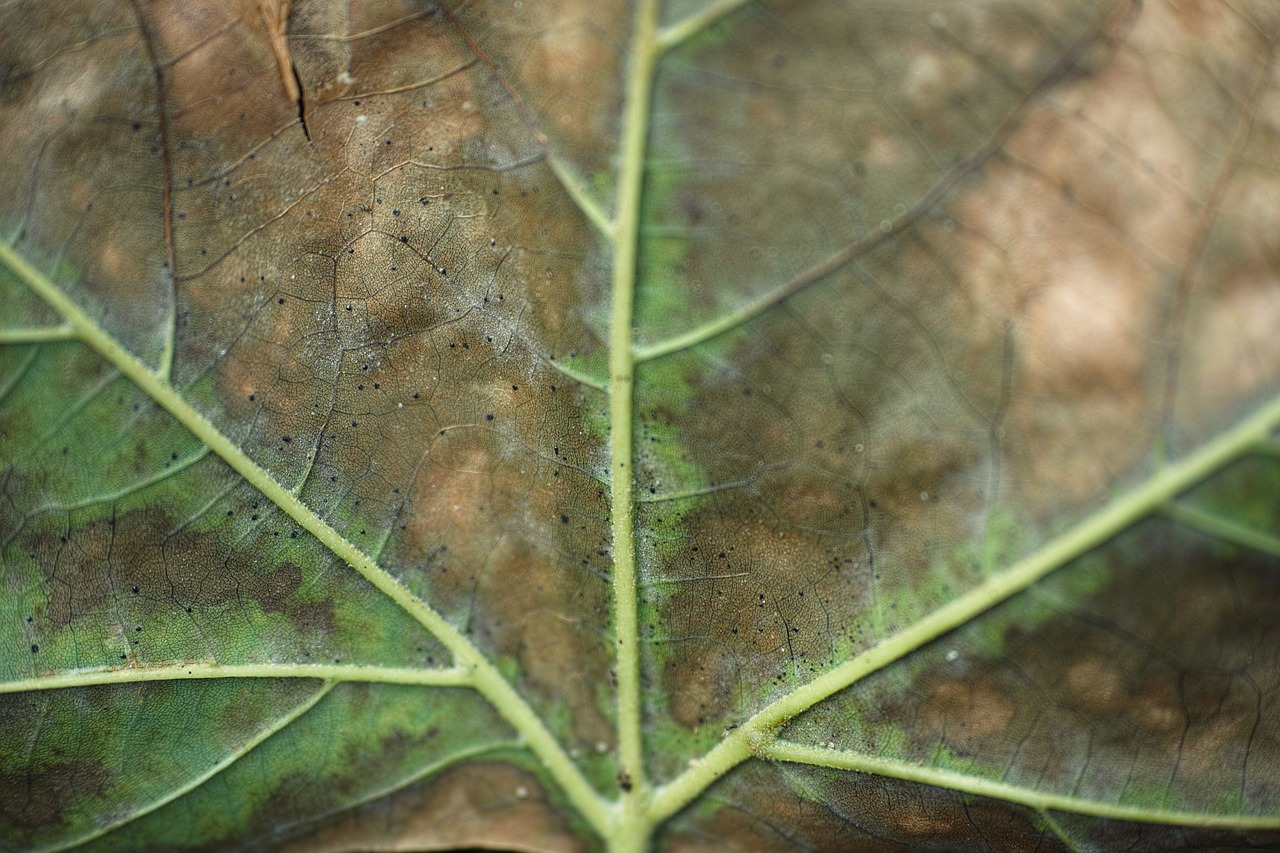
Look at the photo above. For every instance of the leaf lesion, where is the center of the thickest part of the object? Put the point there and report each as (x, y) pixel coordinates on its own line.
(482, 675)
(758, 737)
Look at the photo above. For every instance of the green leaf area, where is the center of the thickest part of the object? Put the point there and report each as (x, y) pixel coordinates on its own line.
(640, 426)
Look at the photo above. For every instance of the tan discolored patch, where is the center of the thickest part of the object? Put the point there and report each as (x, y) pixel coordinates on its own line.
(501, 556)
(967, 714)
(477, 806)
(1097, 687)
(780, 808)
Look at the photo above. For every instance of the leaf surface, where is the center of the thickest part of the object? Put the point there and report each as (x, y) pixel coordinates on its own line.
(563, 426)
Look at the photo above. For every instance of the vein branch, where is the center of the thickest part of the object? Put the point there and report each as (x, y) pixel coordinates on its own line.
(37, 335)
(1151, 496)
(1042, 800)
(675, 34)
(191, 671)
(580, 195)
(166, 179)
(1223, 528)
(485, 677)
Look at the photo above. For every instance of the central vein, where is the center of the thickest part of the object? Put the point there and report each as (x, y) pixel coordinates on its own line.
(635, 126)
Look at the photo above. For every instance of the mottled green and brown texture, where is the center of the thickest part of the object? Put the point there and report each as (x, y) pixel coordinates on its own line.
(778, 425)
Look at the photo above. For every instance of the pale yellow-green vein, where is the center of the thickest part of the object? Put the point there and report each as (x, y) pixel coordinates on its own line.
(204, 670)
(1046, 801)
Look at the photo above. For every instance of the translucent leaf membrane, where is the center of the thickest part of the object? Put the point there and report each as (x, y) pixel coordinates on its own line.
(922, 291)
(770, 808)
(356, 743)
(126, 544)
(103, 756)
(374, 307)
(1153, 658)
(481, 805)
(919, 364)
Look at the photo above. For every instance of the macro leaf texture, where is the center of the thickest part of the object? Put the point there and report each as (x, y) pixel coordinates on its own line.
(600, 425)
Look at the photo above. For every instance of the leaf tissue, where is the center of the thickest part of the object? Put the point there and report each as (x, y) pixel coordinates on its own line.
(639, 426)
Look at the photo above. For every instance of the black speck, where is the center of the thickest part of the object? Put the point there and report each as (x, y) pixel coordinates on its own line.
(286, 438)
(34, 648)
(489, 417)
(564, 519)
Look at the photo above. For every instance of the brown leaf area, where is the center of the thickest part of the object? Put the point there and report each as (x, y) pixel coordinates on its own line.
(377, 310)
(1168, 697)
(863, 812)
(999, 252)
(480, 806)
(1075, 269)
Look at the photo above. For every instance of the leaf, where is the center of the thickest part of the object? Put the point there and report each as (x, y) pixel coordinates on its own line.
(676, 426)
